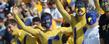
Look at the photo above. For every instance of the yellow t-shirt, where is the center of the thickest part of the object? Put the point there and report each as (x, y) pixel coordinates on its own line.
(45, 37)
(39, 7)
(70, 40)
(53, 36)
(20, 35)
(79, 38)
(53, 24)
(68, 1)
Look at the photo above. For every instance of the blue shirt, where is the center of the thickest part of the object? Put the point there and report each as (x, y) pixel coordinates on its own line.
(2, 33)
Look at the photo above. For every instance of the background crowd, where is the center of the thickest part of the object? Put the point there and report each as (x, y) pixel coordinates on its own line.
(79, 21)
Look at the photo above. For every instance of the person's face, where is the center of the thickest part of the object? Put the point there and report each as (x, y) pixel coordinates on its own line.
(52, 5)
(23, 5)
(47, 22)
(80, 11)
(105, 5)
(11, 27)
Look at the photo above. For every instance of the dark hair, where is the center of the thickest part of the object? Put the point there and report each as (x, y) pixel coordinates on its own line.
(51, 2)
(36, 19)
(10, 21)
(45, 15)
(80, 4)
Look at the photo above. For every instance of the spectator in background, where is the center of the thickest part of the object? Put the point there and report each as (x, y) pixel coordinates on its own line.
(21, 5)
(57, 17)
(24, 9)
(104, 22)
(2, 8)
(45, 7)
(11, 2)
(7, 7)
(69, 5)
(35, 7)
(26, 13)
(104, 27)
(2, 31)
(28, 18)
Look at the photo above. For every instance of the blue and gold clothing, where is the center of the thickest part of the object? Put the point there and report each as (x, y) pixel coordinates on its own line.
(22, 37)
(76, 25)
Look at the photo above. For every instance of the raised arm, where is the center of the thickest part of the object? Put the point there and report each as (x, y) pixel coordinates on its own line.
(64, 13)
(81, 24)
(19, 33)
(99, 9)
(15, 12)
(25, 28)
(66, 30)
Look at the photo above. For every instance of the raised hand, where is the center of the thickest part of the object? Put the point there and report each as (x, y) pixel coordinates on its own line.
(99, 9)
(15, 10)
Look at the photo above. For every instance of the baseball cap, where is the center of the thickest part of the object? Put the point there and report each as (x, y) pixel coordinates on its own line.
(91, 17)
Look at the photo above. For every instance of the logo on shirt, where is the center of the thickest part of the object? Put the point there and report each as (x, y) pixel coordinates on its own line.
(105, 27)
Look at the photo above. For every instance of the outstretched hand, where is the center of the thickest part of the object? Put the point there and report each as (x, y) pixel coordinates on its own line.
(15, 10)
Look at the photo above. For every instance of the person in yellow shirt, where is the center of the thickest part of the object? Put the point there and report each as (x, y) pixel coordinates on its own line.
(81, 19)
(78, 24)
(48, 35)
(69, 5)
(20, 35)
(36, 8)
(39, 7)
(13, 29)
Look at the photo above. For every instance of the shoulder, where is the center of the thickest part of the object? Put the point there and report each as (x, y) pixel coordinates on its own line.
(102, 17)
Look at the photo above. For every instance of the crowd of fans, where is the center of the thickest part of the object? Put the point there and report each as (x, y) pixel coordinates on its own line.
(54, 22)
